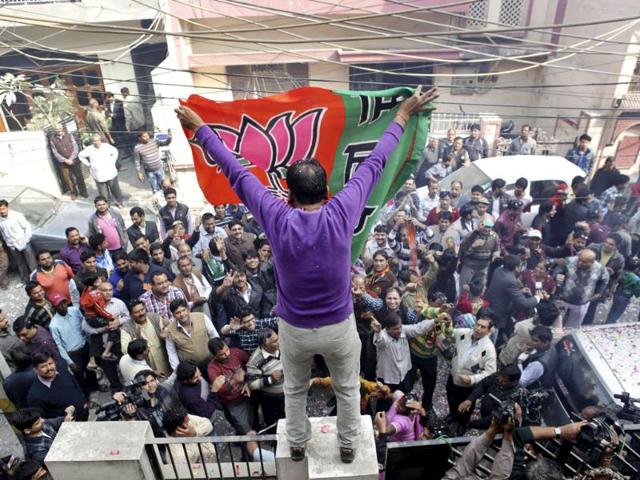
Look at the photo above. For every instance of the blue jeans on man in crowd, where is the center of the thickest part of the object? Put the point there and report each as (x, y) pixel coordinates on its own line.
(618, 306)
(155, 179)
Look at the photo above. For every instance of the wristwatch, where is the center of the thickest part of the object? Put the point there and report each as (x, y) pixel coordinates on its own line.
(557, 432)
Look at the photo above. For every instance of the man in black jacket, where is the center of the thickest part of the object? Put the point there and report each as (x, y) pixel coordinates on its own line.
(55, 389)
(504, 295)
(173, 211)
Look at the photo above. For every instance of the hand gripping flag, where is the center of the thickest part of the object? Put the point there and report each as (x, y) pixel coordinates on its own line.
(338, 128)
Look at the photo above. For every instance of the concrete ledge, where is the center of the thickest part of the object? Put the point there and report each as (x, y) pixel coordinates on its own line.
(100, 451)
(323, 454)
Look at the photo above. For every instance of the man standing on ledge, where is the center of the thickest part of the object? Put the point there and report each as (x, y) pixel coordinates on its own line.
(313, 234)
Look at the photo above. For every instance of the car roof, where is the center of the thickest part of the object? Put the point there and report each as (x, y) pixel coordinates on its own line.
(9, 192)
(531, 167)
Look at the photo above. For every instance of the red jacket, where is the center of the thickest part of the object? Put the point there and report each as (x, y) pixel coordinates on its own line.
(55, 282)
(92, 304)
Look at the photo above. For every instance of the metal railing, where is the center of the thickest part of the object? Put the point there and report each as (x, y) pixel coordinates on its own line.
(175, 458)
(626, 461)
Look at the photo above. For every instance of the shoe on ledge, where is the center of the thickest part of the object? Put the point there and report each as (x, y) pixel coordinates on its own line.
(347, 455)
(297, 453)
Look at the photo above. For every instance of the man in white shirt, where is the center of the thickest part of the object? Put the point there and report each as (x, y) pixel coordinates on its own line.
(194, 285)
(16, 231)
(135, 360)
(208, 230)
(475, 359)
(101, 158)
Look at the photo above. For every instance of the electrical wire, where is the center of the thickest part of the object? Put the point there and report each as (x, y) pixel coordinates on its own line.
(424, 75)
(93, 28)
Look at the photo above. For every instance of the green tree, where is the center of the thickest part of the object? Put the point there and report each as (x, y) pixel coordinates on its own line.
(48, 104)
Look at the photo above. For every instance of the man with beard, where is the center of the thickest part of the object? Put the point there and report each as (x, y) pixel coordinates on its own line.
(52, 275)
(150, 327)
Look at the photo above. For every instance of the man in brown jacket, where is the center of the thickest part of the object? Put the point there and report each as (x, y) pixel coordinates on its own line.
(238, 242)
(65, 150)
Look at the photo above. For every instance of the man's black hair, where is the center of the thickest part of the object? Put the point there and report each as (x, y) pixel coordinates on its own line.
(307, 181)
(475, 287)
(547, 312)
(445, 216)
(119, 255)
(391, 319)
(136, 211)
(477, 189)
(485, 313)
(68, 230)
(233, 223)
(169, 191)
(215, 345)
(522, 182)
(244, 312)
(21, 356)
(100, 198)
(498, 183)
(213, 248)
(186, 370)
(156, 274)
(174, 418)
(155, 246)
(381, 229)
(86, 255)
(511, 262)
(512, 372)
(20, 323)
(584, 136)
(24, 418)
(135, 303)
(542, 333)
(208, 216)
(30, 286)
(42, 251)
(264, 335)
(41, 357)
(96, 240)
(4, 203)
(177, 303)
(251, 253)
(137, 347)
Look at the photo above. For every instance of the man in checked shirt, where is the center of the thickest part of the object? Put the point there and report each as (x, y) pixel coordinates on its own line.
(245, 329)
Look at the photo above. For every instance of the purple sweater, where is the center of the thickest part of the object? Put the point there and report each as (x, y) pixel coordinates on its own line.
(311, 250)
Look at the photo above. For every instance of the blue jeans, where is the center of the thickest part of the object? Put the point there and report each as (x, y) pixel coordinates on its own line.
(155, 179)
(619, 305)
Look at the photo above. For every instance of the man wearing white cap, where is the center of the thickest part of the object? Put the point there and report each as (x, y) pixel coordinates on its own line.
(536, 253)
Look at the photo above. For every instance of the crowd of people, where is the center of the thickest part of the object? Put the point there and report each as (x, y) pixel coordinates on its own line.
(183, 310)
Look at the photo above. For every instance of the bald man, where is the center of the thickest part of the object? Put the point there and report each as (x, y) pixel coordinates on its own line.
(583, 280)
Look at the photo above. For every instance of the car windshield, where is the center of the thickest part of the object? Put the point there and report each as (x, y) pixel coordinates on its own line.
(469, 176)
(36, 206)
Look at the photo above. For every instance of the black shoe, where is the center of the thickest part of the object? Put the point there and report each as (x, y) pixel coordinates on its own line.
(297, 453)
(347, 455)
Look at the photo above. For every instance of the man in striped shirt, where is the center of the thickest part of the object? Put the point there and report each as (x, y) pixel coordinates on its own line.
(146, 155)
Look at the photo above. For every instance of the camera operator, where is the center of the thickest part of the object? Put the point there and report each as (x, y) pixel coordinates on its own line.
(538, 364)
(501, 385)
(465, 466)
(402, 423)
(156, 401)
(540, 467)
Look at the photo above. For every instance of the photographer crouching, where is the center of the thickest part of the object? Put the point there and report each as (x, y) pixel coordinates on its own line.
(517, 443)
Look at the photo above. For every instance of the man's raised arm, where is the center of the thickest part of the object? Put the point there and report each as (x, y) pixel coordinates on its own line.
(253, 194)
(358, 189)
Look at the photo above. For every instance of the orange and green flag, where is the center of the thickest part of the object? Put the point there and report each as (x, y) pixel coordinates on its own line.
(339, 128)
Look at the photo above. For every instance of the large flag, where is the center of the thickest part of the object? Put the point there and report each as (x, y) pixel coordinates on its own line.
(339, 128)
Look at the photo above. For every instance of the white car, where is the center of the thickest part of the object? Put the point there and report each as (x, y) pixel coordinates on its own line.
(544, 173)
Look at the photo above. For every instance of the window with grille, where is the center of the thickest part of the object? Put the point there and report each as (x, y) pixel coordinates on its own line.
(251, 81)
(478, 13)
(503, 12)
(363, 76)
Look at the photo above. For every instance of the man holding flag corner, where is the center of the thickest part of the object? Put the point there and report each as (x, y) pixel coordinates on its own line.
(309, 236)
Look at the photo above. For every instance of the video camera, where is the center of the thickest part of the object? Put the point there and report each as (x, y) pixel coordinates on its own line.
(597, 435)
(113, 411)
(530, 404)
(629, 410)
